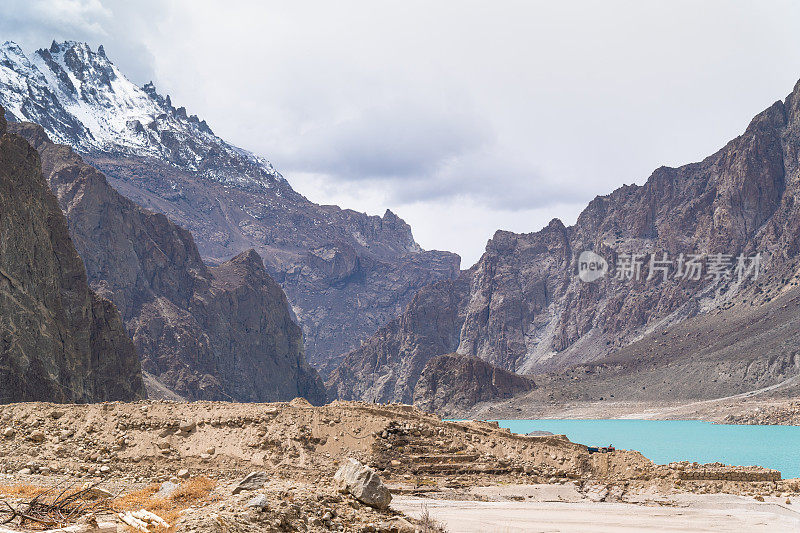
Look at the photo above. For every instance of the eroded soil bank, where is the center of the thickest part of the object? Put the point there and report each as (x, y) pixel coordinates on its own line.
(132, 449)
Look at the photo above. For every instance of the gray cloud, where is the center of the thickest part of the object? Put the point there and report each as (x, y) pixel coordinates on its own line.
(388, 141)
(119, 26)
(510, 113)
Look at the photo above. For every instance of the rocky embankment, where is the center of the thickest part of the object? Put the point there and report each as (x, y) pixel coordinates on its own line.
(295, 450)
(59, 340)
(786, 414)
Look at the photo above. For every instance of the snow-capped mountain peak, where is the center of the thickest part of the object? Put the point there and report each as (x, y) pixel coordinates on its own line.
(82, 99)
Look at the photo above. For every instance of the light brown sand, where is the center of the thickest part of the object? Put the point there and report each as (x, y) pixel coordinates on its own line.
(690, 513)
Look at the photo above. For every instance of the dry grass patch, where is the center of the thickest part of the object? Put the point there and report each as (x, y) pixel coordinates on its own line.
(46, 507)
(193, 490)
(21, 491)
(189, 493)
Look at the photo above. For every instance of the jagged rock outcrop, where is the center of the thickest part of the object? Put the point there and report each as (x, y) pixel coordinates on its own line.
(451, 383)
(59, 341)
(387, 366)
(527, 311)
(222, 332)
(345, 273)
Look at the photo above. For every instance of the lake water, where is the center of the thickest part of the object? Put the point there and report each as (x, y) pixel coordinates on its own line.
(664, 441)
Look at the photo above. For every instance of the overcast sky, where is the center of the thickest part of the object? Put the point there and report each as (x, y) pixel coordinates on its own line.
(462, 117)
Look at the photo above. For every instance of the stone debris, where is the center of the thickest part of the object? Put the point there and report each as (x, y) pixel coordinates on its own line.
(364, 484)
(784, 414)
(253, 481)
(166, 490)
(400, 525)
(143, 520)
(96, 493)
(259, 502)
(187, 427)
(300, 458)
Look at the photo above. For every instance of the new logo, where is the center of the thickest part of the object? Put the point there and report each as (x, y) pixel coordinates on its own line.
(591, 266)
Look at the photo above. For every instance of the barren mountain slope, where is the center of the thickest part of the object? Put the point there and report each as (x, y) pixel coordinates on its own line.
(59, 341)
(213, 333)
(527, 311)
(345, 273)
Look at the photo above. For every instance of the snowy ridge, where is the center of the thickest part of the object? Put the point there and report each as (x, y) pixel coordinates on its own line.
(82, 99)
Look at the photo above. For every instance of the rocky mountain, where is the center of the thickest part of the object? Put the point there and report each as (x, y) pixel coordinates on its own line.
(451, 383)
(59, 341)
(345, 273)
(221, 332)
(526, 309)
(386, 367)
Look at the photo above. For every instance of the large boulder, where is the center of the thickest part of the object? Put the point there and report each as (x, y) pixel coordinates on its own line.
(364, 484)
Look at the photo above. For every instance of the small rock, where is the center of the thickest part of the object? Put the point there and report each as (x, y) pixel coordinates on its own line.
(8, 433)
(187, 426)
(259, 502)
(37, 437)
(96, 493)
(301, 403)
(89, 521)
(166, 490)
(24, 472)
(364, 484)
(211, 451)
(55, 415)
(401, 525)
(104, 469)
(759, 498)
(183, 473)
(597, 493)
(253, 481)
(204, 457)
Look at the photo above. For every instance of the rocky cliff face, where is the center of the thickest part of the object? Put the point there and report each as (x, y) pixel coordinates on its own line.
(223, 332)
(345, 273)
(527, 311)
(59, 341)
(452, 383)
(387, 366)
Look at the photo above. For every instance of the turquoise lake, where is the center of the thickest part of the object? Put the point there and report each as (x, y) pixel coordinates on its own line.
(664, 441)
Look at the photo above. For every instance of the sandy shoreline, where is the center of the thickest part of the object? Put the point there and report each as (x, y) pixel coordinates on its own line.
(546, 513)
(742, 409)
